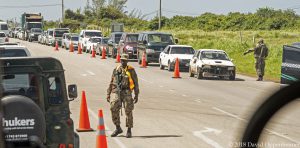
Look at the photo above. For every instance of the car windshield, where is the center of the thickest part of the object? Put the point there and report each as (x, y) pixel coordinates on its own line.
(132, 38)
(34, 25)
(74, 38)
(182, 50)
(95, 40)
(91, 34)
(291, 57)
(4, 27)
(2, 34)
(158, 38)
(36, 30)
(12, 53)
(105, 40)
(50, 33)
(21, 84)
(118, 38)
(214, 55)
(59, 33)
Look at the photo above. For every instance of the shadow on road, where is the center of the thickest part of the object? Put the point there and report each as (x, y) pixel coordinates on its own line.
(156, 136)
(219, 79)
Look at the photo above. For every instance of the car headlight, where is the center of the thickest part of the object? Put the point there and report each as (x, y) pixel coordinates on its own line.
(206, 66)
(129, 47)
(150, 51)
(230, 68)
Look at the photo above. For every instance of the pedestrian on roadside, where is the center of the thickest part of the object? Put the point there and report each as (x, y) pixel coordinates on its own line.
(123, 82)
(261, 52)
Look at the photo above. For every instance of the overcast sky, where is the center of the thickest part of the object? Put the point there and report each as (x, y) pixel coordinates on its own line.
(170, 7)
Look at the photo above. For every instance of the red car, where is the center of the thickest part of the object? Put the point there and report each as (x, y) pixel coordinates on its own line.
(128, 44)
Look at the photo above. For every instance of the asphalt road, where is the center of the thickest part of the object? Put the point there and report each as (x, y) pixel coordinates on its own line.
(177, 113)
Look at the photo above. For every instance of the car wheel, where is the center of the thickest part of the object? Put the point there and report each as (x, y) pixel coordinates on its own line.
(232, 76)
(191, 73)
(169, 66)
(161, 66)
(199, 74)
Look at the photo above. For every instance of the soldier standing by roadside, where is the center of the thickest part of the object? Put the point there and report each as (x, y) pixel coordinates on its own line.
(124, 80)
(261, 52)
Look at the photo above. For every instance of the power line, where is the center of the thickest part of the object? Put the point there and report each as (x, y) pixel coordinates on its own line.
(29, 6)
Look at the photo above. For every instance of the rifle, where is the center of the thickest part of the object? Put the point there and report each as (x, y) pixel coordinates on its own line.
(248, 51)
(119, 88)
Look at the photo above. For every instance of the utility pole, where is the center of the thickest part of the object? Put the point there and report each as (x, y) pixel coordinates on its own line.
(159, 17)
(62, 11)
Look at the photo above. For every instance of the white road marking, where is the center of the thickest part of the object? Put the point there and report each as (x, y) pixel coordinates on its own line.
(84, 75)
(200, 134)
(91, 73)
(271, 132)
(184, 95)
(229, 114)
(121, 145)
(198, 100)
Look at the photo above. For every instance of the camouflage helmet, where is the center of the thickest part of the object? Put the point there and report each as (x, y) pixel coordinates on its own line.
(124, 57)
(260, 41)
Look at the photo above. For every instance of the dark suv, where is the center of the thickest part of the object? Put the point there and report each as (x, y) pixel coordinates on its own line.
(152, 44)
(290, 68)
(35, 103)
(128, 44)
(113, 43)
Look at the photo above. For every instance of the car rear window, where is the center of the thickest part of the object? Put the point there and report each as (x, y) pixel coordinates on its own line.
(182, 50)
(4, 27)
(118, 38)
(291, 57)
(75, 38)
(91, 34)
(2, 35)
(59, 33)
(12, 53)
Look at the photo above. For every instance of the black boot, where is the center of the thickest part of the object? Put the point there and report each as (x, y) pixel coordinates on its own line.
(128, 135)
(117, 131)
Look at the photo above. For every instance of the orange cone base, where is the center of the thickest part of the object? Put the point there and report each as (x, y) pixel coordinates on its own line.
(176, 77)
(101, 142)
(84, 130)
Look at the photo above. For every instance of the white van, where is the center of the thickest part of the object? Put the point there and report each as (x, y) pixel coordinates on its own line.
(4, 28)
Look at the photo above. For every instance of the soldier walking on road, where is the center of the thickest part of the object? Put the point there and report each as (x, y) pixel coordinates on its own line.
(124, 80)
(261, 52)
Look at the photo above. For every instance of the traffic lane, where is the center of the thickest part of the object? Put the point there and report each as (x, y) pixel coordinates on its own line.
(166, 116)
(97, 100)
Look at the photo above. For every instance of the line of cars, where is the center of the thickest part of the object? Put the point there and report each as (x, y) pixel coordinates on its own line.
(156, 47)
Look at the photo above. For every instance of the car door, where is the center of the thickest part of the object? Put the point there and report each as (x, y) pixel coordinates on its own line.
(162, 55)
(193, 61)
(166, 56)
(290, 68)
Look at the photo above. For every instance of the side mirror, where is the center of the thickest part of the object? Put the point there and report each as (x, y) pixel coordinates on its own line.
(176, 41)
(72, 90)
(194, 60)
(81, 36)
(145, 42)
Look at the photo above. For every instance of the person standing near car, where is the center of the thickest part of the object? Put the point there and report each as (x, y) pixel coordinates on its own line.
(261, 52)
(123, 82)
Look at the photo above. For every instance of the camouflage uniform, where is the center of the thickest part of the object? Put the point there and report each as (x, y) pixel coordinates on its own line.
(125, 95)
(261, 52)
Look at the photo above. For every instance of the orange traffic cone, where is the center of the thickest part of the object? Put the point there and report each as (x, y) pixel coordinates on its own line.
(93, 52)
(56, 46)
(103, 53)
(84, 121)
(144, 64)
(79, 49)
(101, 137)
(71, 47)
(118, 59)
(176, 70)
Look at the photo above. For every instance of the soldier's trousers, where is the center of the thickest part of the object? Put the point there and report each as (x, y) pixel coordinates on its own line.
(116, 105)
(260, 66)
